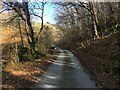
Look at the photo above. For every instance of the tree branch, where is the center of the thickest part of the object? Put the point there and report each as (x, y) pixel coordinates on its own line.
(10, 4)
(5, 10)
(82, 5)
(10, 19)
(36, 15)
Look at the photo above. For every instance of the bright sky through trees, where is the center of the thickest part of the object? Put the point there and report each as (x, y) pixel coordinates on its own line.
(49, 14)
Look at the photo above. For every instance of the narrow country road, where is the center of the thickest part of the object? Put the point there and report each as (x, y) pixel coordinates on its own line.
(65, 72)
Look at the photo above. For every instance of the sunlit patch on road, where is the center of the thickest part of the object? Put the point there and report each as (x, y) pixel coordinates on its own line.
(48, 86)
(51, 77)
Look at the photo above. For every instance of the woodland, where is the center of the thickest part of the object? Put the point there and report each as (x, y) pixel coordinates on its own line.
(89, 29)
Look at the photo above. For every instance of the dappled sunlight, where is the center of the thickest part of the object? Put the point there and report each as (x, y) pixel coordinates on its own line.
(38, 60)
(51, 77)
(60, 64)
(58, 61)
(63, 56)
(75, 66)
(48, 86)
(32, 79)
(27, 72)
(71, 54)
(19, 73)
(51, 61)
(50, 81)
(64, 73)
(71, 64)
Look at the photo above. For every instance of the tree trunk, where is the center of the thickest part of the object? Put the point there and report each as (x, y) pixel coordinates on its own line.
(20, 31)
(94, 19)
(31, 33)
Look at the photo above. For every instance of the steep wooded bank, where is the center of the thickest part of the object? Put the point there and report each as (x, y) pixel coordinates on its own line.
(80, 21)
(11, 42)
(102, 59)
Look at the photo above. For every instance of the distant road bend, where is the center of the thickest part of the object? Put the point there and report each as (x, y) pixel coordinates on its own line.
(65, 72)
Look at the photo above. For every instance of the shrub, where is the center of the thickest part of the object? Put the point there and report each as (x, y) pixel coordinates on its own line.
(24, 54)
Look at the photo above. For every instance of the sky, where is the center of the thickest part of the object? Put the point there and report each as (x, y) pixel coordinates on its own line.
(49, 14)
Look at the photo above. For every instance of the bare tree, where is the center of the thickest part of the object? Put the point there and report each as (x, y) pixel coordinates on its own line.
(88, 19)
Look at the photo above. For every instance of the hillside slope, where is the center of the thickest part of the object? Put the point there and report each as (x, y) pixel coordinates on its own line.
(102, 58)
(11, 34)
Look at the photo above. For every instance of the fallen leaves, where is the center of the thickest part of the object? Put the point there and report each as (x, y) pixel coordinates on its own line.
(25, 74)
(97, 59)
